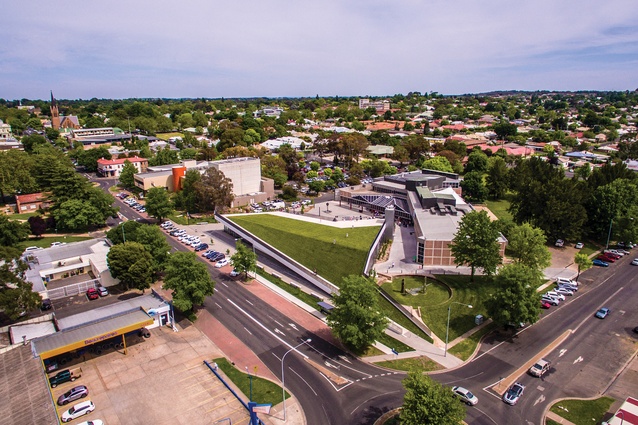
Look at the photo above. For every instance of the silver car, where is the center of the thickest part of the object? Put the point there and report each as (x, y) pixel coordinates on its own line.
(563, 291)
(465, 395)
(73, 394)
(513, 394)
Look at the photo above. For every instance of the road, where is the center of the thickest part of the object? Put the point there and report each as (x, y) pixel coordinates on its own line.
(583, 365)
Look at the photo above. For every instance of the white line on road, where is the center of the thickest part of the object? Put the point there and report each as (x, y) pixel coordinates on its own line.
(279, 332)
(218, 305)
(306, 382)
(562, 352)
(341, 364)
(539, 399)
(266, 329)
(578, 360)
(248, 330)
(277, 323)
(249, 302)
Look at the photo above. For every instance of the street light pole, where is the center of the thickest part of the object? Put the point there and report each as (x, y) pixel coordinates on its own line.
(447, 329)
(283, 384)
(609, 233)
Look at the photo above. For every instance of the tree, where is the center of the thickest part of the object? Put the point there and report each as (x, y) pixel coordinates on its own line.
(476, 243)
(16, 173)
(438, 163)
(88, 158)
(583, 261)
(527, 246)
(37, 225)
(18, 299)
(132, 264)
(497, 178)
(214, 191)
(426, 402)
(158, 203)
(12, 232)
(126, 231)
(189, 280)
(244, 260)
(474, 189)
(127, 175)
(476, 161)
(316, 186)
(31, 142)
(504, 129)
(515, 299)
(356, 319)
(154, 241)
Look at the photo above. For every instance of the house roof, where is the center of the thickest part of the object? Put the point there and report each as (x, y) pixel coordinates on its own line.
(103, 161)
(30, 198)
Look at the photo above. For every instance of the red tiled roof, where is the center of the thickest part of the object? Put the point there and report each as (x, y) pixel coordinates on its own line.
(103, 161)
(30, 198)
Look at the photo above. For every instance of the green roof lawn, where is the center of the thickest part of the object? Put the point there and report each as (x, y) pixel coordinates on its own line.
(333, 252)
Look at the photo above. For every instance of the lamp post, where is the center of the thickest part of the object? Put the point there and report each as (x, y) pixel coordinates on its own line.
(609, 233)
(283, 384)
(447, 329)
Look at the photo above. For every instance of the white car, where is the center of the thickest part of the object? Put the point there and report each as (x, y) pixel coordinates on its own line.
(635, 262)
(93, 422)
(78, 410)
(551, 300)
(234, 273)
(184, 237)
(193, 243)
(555, 295)
(565, 281)
(222, 263)
(465, 395)
(166, 224)
(614, 251)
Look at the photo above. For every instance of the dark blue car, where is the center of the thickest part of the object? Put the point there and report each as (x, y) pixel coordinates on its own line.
(600, 263)
(201, 247)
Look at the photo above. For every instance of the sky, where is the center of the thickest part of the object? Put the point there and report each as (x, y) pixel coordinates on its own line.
(275, 48)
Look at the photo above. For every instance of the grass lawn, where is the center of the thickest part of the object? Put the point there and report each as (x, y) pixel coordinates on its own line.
(398, 317)
(333, 252)
(181, 219)
(23, 216)
(388, 341)
(590, 248)
(550, 422)
(46, 242)
(307, 298)
(411, 363)
(264, 391)
(464, 349)
(583, 412)
(372, 351)
(166, 136)
(499, 208)
(436, 299)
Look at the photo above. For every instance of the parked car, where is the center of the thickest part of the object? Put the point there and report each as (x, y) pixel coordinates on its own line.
(73, 394)
(603, 312)
(540, 368)
(46, 305)
(545, 304)
(579, 245)
(222, 263)
(514, 393)
(627, 245)
(563, 290)
(614, 251)
(92, 422)
(606, 259)
(465, 396)
(234, 273)
(564, 280)
(78, 410)
(550, 300)
(201, 247)
(600, 263)
(555, 295)
(634, 262)
(102, 291)
(567, 286)
(65, 375)
(92, 294)
(166, 224)
(559, 243)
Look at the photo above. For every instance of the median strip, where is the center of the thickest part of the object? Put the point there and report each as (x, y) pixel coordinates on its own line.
(501, 386)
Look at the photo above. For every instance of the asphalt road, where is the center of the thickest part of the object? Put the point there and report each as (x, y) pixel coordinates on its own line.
(583, 365)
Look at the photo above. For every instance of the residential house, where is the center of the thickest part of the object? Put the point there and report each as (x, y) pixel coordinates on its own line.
(113, 167)
(31, 202)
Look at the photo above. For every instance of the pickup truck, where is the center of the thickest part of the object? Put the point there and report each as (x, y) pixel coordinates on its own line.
(65, 376)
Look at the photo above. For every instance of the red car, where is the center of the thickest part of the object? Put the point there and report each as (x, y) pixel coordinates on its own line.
(606, 258)
(92, 294)
(545, 304)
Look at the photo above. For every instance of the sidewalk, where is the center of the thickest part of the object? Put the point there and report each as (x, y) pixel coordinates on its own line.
(553, 416)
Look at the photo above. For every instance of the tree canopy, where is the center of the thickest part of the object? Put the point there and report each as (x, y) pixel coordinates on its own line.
(244, 260)
(426, 402)
(132, 264)
(516, 299)
(189, 279)
(12, 231)
(356, 319)
(158, 203)
(476, 243)
(527, 246)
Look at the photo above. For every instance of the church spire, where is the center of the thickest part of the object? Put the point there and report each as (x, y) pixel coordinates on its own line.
(55, 113)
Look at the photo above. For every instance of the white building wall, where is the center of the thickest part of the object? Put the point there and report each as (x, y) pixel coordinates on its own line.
(245, 173)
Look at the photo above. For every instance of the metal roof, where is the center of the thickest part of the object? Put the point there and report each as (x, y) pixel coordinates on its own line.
(83, 336)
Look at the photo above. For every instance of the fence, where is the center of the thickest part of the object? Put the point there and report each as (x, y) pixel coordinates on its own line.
(374, 250)
(73, 289)
(405, 312)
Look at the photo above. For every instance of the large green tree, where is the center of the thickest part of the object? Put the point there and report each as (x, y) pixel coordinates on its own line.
(476, 161)
(438, 163)
(427, 402)
(158, 203)
(189, 279)
(474, 189)
(186, 199)
(132, 264)
(497, 180)
(214, 191)
(526, 244)
(244, 260)
(357, 319)
(12, 231)
(515, 299)
(583, 262)
(126, 231)
(476, 243)
(127, 175)
(16, 176)
(88, 158)
(154, 241)
(16, 294)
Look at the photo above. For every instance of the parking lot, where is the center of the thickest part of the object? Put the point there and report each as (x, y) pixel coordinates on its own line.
(162, 380)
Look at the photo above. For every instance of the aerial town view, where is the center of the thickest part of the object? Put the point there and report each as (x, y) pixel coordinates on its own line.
(319, 213)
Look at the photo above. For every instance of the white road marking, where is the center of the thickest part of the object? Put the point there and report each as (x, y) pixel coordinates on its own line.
(277, 323)
(345, 359)
(224, 284)
(261, 325)
(292, 325)
(248, 330)
(306, 382)
(279, 332)
(249, 302)
(578, 360)
(331, 365)
(218, 305)
(539, 399)
(563, 351)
